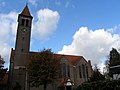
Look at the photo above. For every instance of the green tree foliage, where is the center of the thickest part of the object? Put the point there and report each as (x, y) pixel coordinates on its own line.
(114, 57)
(2, 69)
(100, 85)
(44, 69)
(113, 60)
(97, 76)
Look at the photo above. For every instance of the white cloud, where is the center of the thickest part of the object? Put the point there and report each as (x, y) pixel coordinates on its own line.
(94, 45)
(33, 2)
(115, 29)
(69, 3)
(58, 3)
(46, 24)
(8, 23)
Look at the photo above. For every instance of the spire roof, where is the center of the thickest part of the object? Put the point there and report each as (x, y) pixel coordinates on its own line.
(26, 11)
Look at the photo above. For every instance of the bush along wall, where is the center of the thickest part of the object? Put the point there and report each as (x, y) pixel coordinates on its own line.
(100, 85)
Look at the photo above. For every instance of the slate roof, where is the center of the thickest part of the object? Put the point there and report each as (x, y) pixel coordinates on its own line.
(71, 58)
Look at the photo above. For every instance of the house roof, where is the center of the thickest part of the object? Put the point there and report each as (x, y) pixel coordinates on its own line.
(71, 58)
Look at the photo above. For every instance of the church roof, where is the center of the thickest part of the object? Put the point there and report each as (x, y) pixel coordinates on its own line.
(70, 58)
(26, 11)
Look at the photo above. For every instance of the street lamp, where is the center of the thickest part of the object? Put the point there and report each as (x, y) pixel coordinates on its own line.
(69, 84)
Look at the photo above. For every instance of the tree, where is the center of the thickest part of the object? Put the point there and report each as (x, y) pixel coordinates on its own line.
(114, 57)
(2, 69)
(44, 69)
(97, 75)
(100, 85)
(113, 61)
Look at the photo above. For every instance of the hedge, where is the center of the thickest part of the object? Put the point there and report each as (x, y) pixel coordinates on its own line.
(100, 85)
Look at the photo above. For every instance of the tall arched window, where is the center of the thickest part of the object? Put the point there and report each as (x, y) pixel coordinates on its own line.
(68, 70)
(80, 73)
(64, 70)
(83, 70)
(60, 71)
(86, 72)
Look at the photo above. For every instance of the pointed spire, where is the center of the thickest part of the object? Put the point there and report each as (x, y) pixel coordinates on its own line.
(26, 11)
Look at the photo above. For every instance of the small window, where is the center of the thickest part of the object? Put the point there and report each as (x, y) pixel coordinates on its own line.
(27, 22)
(22, 38)
(22, 50)
(23, 22)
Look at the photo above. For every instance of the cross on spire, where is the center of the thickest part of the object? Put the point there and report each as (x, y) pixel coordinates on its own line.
(26, 2)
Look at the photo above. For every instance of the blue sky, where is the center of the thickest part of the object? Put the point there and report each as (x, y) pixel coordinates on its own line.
(79, 27)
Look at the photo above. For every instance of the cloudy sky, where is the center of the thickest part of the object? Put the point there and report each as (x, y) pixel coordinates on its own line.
(88, 28)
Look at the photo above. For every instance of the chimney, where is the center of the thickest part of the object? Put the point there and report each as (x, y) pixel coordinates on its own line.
(89, 61)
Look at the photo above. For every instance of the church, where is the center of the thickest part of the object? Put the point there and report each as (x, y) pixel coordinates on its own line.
(76, 68)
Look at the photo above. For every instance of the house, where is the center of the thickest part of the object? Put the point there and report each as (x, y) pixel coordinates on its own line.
(115, 70)
(75, 69)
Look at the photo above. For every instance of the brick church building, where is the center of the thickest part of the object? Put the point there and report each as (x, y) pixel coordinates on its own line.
(76, 69)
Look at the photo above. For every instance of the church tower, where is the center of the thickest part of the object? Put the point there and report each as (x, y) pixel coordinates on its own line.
(18, 77)
(22, 45)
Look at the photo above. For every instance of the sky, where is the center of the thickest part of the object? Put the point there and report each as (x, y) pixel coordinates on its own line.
(88, 28)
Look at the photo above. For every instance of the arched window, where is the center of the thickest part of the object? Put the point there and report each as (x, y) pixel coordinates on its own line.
(68, 70)
(27, 22)
(83, 70)
(86, 72)
(23, 22)
(60, 71)
(80, 73)
(64, 70)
